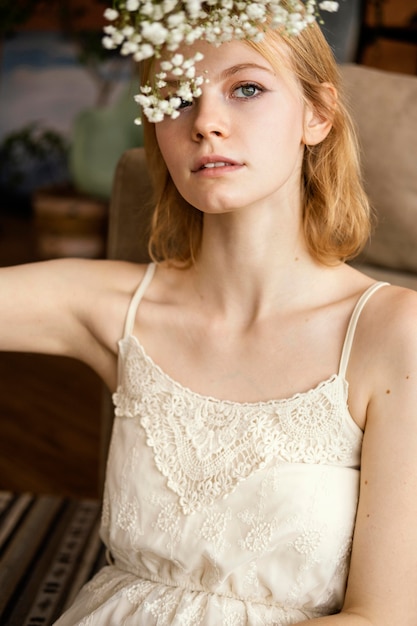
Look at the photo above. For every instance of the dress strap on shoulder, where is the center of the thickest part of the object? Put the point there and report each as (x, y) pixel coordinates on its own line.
(137, 297)
(350, 333)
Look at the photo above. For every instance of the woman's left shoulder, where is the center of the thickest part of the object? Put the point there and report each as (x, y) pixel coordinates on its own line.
(389, 328)
(394, 309)
(390, 311)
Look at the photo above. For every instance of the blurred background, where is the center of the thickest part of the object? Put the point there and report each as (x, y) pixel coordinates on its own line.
(66, 116)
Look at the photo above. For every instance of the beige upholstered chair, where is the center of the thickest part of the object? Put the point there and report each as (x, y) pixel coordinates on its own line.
(130, 209)
(129, 221)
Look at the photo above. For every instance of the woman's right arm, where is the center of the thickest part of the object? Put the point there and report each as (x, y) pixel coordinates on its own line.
(68, 307)
(40, 306)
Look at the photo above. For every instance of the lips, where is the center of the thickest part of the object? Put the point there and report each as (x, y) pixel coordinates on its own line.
(213, 162)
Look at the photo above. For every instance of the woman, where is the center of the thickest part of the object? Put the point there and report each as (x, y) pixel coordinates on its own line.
(255, 372)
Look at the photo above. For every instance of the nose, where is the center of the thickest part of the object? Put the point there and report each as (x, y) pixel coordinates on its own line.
(211, 118)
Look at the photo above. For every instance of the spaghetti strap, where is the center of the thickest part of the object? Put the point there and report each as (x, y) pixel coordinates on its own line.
(137, 297)
(350, 333)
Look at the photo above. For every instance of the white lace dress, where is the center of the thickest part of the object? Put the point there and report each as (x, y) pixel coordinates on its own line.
(219, 513)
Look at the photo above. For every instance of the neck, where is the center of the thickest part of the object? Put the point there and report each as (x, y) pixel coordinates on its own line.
(250, 263)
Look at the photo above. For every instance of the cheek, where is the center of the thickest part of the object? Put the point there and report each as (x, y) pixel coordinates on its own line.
(287, 137)
(166, 142)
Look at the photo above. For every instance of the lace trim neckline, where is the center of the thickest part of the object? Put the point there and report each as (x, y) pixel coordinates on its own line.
(207, 398)
(206, 446)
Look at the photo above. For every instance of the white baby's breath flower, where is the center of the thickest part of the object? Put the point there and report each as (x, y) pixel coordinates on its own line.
(145, 51)
(194, 35)
(295, 18)
(108, 43)
(310, 7)
(177, 60)
(145, 29)
(164, 106)
(111, 14)
(132, 5)
(155, 33)
(175, 102)
(129, 47)
(187, 64)
(143, 100)
(166, 66)
(147, 8)
(255, 11)
(154, 115)
(128, 31)
(117, 38)
(193, 8)
(332, 7)
(184, 92)
(175, 38)
(169, 5)
(176, 19)
(190, 72)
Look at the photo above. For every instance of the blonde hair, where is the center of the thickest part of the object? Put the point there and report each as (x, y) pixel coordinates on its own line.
(336, 213)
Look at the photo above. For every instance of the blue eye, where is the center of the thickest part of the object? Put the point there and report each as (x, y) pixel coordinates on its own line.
(248, 90)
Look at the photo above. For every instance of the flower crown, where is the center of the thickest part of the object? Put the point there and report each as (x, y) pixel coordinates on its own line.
(145, 29)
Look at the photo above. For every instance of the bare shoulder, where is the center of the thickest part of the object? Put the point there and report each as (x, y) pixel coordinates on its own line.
(391, 316)
(105, 289)
(387, 335)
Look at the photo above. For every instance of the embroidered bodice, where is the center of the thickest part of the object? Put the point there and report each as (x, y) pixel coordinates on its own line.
(224, 513)
(205, 447)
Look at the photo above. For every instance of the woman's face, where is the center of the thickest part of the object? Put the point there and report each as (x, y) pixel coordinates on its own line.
(241, 142)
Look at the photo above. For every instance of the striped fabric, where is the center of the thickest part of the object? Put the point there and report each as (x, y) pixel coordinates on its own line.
(49, 547)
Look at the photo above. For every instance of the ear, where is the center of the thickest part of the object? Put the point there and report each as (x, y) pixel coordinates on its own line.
(318, 122)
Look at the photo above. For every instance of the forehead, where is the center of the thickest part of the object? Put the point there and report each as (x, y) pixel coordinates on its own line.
(233, 53)
(267, 57)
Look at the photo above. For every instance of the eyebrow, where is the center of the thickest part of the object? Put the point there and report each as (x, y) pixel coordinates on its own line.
(244, 66)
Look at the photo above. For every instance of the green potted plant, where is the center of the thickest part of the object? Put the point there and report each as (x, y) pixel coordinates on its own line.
(67, 221)
(70, 206)
(28, 154)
